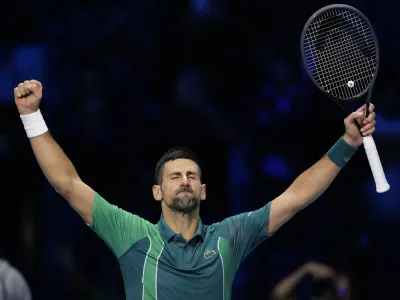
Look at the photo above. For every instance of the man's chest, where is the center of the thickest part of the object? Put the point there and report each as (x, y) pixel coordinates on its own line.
(176, 254)
(191, 255)
(175, 267)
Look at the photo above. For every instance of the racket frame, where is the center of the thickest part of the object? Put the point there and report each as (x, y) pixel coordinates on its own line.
(370, 86)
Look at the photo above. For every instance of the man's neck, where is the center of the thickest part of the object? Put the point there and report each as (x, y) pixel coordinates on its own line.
(185, 224)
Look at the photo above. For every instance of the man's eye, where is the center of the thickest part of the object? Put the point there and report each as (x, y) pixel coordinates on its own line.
(175, 177)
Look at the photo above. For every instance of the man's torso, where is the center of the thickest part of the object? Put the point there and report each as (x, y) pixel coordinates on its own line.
(155, 268)
(157, 263)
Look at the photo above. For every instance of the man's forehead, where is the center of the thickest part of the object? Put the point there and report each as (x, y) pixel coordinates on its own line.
(181, 165)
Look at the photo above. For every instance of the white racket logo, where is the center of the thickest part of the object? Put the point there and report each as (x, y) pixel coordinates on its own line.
(350, 84)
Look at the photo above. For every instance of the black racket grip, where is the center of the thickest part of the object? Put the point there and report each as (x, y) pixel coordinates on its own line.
(367, 109)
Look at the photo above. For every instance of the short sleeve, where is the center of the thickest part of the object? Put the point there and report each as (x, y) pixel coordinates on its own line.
(246, 231)
(118, 228)
(13, 285)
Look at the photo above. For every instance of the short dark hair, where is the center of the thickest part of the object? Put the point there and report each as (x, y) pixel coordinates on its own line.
(173, 154)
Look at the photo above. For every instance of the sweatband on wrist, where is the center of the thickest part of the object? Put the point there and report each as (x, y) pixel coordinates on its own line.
(341, 152)
(34, 124)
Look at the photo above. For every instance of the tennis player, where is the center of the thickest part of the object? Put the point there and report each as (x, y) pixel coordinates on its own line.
(179, 257)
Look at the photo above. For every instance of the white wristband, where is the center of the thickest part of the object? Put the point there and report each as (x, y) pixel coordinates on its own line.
(34, 124)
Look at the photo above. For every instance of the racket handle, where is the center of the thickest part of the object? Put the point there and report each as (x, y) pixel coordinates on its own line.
(374, 161)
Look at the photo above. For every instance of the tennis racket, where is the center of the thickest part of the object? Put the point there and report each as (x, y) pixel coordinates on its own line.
(341, 55)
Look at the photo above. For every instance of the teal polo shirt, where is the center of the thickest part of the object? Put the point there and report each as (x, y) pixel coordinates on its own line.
(157, 263)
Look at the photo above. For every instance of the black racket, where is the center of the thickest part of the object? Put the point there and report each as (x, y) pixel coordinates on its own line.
(341, 55)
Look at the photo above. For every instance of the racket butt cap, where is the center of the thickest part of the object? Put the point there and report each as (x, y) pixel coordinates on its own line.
(383, 188)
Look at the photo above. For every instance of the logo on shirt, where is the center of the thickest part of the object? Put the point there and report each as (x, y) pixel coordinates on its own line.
(209, 253)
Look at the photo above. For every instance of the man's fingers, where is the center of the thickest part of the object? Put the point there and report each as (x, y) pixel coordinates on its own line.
(36, 84)
(26, 86)
(371, 107)
(21, 89)
(17, 93)
(368, 126)
(353, 116)
(369, 132)
(370, 118)
(364, 107)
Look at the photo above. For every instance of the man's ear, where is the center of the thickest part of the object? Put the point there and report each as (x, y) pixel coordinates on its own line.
(157, 192)
(203, 192)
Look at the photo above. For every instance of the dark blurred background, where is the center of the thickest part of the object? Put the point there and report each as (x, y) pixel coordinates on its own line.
(126, 80)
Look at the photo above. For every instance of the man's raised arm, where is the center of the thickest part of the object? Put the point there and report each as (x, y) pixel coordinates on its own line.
(55, 165)
(314, 181)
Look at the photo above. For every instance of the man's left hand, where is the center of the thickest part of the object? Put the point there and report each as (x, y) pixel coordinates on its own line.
(352, 135)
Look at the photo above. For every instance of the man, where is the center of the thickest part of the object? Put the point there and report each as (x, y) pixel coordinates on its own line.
(13, 285)
(179, 257)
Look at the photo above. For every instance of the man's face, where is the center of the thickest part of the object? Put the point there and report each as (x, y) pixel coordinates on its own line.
(181, 189)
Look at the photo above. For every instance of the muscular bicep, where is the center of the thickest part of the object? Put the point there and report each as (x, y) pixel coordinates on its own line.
(81, 197)
(282, 210)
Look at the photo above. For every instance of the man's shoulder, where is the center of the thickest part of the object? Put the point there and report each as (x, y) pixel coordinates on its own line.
(219, 228)
(224, 222)
(143, 221)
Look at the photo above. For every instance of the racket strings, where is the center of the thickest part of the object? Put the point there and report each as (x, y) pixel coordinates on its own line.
(333, 53)
(344, 52)
(339, 67)
(340, 51)
(339, 22)
(358, 39)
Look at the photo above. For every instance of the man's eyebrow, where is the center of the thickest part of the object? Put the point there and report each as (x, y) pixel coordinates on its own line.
(178, 173)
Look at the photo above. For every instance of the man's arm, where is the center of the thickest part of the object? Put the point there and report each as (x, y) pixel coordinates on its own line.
(62, 175)
(314, 181)
(118, 228)
(55, 165)
(302, 192)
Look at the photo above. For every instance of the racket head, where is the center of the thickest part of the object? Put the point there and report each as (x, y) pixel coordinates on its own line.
(340, 52)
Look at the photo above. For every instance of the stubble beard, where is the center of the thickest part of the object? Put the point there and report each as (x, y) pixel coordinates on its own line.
(186, 203)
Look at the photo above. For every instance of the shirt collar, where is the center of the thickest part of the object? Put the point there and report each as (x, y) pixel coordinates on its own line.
(168, 233)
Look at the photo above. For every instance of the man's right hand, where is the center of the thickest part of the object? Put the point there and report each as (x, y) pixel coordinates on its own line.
(27, 96)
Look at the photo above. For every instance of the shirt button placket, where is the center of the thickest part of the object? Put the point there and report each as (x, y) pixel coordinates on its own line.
(187, 256)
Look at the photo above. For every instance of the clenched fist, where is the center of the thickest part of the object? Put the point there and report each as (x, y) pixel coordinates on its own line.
(352, 135)
(27, 96)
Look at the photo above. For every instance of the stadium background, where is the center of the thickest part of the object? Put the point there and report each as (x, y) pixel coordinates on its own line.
(126, 80)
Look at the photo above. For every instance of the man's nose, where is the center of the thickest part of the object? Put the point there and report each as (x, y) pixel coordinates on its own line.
(185, 180)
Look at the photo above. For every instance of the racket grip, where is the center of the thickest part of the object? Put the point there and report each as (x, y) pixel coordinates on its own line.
(375, 163)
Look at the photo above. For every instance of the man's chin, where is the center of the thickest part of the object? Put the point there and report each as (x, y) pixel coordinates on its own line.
(186, 205)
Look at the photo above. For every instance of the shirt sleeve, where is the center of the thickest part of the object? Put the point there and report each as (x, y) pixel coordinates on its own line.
(118, 228)
(246, 231)
(15, 285)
